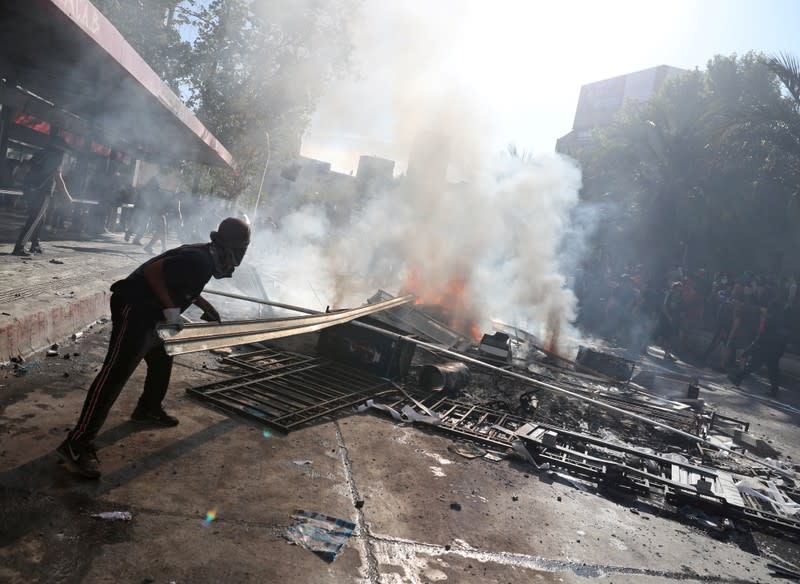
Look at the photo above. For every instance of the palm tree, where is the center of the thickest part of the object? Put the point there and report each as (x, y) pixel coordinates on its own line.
(786, 126)
(786, 68)
(774, 125)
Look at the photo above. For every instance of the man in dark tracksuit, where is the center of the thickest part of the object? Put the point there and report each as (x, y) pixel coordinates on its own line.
(157, 291)
(766, 349)
(42, 182)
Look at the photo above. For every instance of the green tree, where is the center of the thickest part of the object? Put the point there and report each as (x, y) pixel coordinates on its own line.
(683, 183)
(152, 29)
(258, 70)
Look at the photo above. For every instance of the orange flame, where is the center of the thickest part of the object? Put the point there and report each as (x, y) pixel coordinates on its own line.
(553, 332)
(448, 301)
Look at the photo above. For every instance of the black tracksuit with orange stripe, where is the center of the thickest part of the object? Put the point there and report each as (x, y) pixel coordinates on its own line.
(135, 311)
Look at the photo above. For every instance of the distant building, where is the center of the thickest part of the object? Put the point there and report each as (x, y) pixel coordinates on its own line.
(305, 169)
(600, 101)
(372, 170)
(307, 180)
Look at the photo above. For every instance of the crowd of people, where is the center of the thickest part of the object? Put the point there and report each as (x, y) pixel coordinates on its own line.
(748, 316)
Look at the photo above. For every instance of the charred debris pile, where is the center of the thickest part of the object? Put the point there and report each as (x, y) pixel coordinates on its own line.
(595, 422)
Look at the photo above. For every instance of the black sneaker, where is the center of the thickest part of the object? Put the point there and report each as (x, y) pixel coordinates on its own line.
(79, 458)
(156, 417)
(36, 249)
(18, 251)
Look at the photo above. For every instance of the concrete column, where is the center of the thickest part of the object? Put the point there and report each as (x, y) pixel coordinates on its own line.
(197, 167)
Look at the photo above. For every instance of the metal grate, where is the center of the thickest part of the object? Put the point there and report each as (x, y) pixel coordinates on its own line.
(286, 390)
(493, 428)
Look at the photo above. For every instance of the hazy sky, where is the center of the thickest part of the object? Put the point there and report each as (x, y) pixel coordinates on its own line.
(521, 63)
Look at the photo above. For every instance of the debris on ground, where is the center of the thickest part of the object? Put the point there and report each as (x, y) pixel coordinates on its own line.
(20, 370)
(590, 422)
(114, 515)
(322, 534)
(467, 450)
(783, 572)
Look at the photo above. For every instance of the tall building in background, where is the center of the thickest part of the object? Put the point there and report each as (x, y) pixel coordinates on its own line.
(600, 101)
(374, 172)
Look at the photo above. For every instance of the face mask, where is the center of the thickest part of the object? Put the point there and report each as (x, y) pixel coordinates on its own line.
(238, 255)
(224, 261)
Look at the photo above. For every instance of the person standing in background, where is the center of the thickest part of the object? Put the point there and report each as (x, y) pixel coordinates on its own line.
(148, 197)
(163, 210)
(42, 183)
(767, 348)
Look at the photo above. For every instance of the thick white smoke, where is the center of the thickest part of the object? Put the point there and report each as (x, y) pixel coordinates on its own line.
(496, 226)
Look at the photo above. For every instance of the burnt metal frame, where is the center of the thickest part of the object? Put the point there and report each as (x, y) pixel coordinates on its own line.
(492, 428)
(609, 464)
(615, 471)
(287, 390)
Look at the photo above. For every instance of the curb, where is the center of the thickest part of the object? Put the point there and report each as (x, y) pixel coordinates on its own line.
(40, 329)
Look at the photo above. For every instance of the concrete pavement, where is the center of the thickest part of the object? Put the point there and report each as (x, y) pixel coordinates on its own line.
(45, 298)
(512, 525)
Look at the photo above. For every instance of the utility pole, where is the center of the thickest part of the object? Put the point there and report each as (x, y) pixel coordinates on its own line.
(263, 176)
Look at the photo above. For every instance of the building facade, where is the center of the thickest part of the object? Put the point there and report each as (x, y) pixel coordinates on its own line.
(601, 101)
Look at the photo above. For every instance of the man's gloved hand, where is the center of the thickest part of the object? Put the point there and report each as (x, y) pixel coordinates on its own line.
(172, 316)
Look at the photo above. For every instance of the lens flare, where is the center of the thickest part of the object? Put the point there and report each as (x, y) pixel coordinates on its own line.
(211, 515)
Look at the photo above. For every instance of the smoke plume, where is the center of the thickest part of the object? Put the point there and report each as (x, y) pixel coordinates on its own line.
(464, 214)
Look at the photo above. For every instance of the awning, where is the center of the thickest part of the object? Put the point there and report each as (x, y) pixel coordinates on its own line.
(63, 61)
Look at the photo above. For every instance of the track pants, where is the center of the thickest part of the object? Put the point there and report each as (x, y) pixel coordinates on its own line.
(133, 338)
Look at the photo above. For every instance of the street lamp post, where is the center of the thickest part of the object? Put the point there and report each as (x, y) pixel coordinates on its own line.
(263, 176)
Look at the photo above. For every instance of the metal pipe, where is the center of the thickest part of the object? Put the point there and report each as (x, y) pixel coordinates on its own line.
(266, 302)
(447, 377)
(544, 385)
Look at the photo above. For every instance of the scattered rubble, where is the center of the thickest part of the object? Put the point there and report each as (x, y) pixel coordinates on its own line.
(591, 421)
(114, 515)
(20, 370)
(319, 533)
